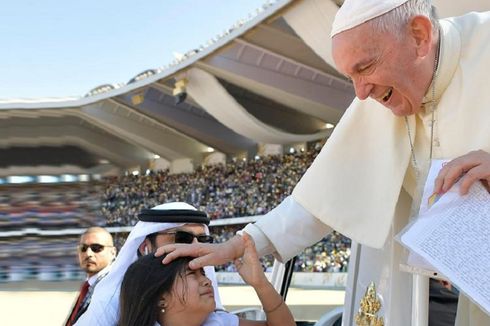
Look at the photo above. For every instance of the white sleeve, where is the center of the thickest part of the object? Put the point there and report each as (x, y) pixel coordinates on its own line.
(286, 230)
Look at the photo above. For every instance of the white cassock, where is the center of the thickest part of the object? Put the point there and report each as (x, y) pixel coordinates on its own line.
(362, 182)
(104, 306)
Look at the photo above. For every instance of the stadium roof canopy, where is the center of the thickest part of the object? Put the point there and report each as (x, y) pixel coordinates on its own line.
(267, 80)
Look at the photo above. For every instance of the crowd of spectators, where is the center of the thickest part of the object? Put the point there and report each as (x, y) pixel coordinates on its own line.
(329, 255)
(26, 210)
(39, 257)
(44, 207)
(239, 188)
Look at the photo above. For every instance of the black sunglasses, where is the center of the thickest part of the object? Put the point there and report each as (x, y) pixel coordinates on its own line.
(95, 247)
(187, 237)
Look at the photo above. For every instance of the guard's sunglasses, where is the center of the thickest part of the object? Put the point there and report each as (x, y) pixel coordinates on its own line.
(95, 247)
(187, 237)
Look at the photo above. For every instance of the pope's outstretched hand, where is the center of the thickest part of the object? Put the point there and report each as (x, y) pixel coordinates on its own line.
(206, 254)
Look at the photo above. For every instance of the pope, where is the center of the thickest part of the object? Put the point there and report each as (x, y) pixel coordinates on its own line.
(421, 94)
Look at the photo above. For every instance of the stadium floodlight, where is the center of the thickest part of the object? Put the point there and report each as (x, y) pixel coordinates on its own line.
(20, 179)
(48, 179)
(83, 178)
(329, 126)
(156, 156)
(68, 178)
(210, 149)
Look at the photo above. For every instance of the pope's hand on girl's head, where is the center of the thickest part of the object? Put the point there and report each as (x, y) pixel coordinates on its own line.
(206, 254)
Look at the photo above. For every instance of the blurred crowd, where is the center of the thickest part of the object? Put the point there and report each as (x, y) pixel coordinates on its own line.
(49, 206)
(45, 258)
(239, 188)
(34, 223)
(329, 255)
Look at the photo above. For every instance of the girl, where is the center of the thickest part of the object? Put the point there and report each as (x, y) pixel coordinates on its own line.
(175, 295)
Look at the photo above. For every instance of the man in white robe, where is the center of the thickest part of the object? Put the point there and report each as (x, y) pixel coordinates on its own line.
(364, 182)
(161, 221)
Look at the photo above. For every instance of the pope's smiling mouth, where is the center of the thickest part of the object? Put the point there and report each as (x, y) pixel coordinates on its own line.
(387, 96)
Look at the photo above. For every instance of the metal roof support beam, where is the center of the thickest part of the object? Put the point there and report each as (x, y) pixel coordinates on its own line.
(118, 152)
(188, 120)
(147, 133)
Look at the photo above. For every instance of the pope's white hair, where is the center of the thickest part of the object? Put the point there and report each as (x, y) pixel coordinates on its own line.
(396, 20)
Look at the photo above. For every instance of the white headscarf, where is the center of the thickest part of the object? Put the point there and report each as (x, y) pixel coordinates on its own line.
(104, 305)
(353, 13)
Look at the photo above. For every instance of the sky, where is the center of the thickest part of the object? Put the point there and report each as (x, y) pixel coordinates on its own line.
(66, 48)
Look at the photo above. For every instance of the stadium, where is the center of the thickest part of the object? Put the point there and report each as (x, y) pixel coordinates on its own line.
(229, 127)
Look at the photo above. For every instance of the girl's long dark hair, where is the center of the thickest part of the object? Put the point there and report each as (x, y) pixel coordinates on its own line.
(145, 281)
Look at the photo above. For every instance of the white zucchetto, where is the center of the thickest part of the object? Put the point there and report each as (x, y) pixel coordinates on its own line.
(356, 12)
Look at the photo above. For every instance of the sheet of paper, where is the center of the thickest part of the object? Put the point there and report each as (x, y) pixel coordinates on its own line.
(453, 235)
(415, 263)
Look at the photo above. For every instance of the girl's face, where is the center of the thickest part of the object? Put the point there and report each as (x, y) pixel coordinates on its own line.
(192, 292)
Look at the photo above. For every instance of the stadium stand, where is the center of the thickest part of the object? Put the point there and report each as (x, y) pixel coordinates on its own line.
(33, 213)
(239, 188)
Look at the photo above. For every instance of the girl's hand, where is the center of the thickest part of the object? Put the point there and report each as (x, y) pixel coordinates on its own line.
(249, 266)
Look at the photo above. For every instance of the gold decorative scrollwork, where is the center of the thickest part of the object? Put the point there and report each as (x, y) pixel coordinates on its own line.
(369, 308)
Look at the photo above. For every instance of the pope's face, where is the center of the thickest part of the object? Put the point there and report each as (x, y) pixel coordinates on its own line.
(382, 67)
